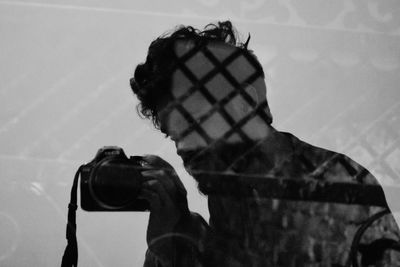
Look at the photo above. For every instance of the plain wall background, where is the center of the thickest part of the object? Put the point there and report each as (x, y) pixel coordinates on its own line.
(332, 71)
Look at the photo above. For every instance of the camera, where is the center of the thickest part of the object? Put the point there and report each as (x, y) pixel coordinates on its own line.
(112, 181)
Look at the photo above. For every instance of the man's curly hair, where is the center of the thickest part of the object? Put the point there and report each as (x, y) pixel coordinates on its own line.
(152, 79)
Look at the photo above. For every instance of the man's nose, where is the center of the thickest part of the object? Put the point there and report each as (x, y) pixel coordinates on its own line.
(189, 142)
(180, 145)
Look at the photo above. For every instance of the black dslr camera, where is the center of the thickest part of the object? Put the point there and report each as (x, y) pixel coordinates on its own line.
(112, 181)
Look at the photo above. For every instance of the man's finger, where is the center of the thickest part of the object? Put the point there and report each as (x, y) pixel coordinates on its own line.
(156, 187)
(161, 176)
(156, 161)
(152, 197)
(151, 173)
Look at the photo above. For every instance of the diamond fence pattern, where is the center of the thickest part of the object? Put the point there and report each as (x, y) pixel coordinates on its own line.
(377, 145)
(217, 68)
(218, 71)
(358, 190)
(384, 152)
(222, 71)
(22, 167)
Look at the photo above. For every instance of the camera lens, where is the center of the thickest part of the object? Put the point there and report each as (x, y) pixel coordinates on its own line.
(115, 184)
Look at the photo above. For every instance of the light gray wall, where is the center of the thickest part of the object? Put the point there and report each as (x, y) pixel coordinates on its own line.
(332, 74)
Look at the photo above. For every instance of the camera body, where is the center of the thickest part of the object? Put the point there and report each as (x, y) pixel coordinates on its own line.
(112, 181)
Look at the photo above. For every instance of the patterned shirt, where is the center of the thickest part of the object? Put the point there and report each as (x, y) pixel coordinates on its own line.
(259, 231)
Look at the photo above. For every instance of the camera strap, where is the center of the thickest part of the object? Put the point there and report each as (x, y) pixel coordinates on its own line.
(70, 257)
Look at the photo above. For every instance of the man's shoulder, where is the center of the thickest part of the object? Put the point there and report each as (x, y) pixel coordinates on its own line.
(328, 165)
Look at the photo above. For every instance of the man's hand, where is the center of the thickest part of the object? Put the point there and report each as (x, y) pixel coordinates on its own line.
(161, 188)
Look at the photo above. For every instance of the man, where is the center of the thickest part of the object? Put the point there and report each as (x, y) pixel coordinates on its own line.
(206, 91)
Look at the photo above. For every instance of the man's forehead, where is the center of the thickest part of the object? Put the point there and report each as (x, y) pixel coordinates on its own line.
(216, 66)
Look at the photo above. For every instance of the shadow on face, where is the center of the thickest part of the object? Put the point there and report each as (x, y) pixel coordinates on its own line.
(218, 103)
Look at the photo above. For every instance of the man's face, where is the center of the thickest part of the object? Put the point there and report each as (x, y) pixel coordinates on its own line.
(189, 141)
(177, 126)
(204, 110)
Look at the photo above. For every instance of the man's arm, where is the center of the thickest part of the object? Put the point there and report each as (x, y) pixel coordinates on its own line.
(187, 245)
(175, 236)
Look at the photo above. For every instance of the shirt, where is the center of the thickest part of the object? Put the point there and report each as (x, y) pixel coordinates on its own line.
(255, 230)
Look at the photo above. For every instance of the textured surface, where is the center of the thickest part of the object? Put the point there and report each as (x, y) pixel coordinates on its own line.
(332, 73)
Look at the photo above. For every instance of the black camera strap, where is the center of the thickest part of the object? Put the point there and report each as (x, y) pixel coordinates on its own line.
(70, 257)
